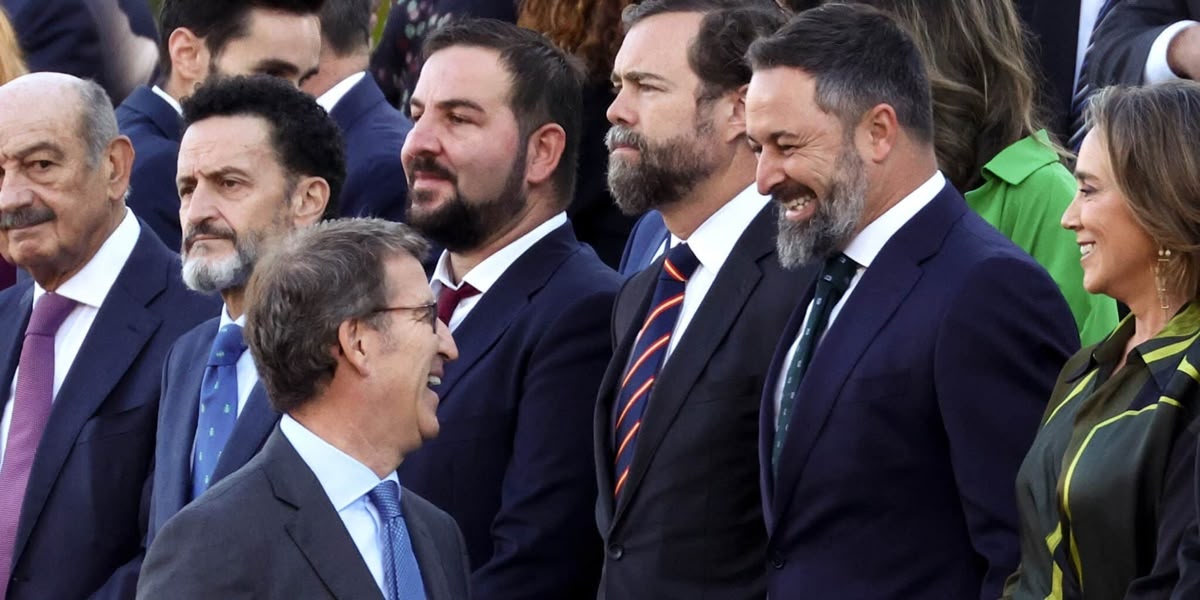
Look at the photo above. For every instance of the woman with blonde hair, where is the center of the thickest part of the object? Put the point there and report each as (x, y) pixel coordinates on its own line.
(990, 141)
(12, 66)
(1105, 493)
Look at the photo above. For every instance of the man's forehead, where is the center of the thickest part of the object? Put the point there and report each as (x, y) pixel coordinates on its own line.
(463, 72)
(226, 138)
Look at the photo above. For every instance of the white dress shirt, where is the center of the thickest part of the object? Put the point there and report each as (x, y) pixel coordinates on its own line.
(347, 483)
(489, 271)
(169, 100)
(88, 288)
(1157, 67)
(711, 243)
(863, 249)
(1088, 11)
(331, 97)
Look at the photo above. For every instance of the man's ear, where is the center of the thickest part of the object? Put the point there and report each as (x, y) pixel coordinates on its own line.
(544, 151)
(352, 345)
(877, 133)
(309, 200)
(731, 120)
(118, 165)
(189, 55)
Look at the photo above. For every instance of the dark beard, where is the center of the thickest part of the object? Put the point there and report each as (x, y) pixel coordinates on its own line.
(664, 173)
(464, 224)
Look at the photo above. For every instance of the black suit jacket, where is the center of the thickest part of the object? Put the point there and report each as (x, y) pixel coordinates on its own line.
(1053, 26)
(269, 531)
(155, 130)
(178, 411)
(690, 524)
(373, 132)
(1123, 41)
(86, 502)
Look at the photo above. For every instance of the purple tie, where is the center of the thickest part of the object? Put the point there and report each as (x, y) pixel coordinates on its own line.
(31, 409)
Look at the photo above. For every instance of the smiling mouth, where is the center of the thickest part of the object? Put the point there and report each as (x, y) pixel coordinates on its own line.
(1086, 249)
(433, 381)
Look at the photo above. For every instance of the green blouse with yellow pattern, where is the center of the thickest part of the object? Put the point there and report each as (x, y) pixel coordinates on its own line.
(1105, 492)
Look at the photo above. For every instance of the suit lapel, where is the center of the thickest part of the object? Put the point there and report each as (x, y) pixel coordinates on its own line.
(497, 308)
(882, 289)
(433, 572)
(178, 419)
(163, 115)
(250, 431)
(766, 416)
(356, 102)
(630, 310)
(12, 338)
(121, 329)
(716, 315)
(315, 526)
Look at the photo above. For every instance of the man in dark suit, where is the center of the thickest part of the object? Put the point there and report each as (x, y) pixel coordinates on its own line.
(109, 41)
(345, 333)
(373, 129)
(911, 379)
(284, 156)
(679, 508)
(491, 166)
(202, 38)
(1147, 41)
(82, 344)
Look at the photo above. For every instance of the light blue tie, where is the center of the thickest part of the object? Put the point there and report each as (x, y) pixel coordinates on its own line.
(401, 576)
(218, 405)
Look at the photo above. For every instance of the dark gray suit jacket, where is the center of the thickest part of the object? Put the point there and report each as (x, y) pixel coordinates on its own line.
(269, 531)
(690, 523)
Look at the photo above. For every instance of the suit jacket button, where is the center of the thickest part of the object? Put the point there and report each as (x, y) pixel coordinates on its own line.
(777, 560)
(615, 551)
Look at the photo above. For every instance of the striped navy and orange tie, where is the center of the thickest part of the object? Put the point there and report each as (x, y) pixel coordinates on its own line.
(649, 350)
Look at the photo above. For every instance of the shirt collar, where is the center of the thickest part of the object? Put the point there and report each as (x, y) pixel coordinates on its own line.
(226, 320)
(169, 100)
(715, 238)
(1020, 159)
(330, 98)
(870, 241)
(488, 271)
(1161, 354)
(91, 284)
(343, 478)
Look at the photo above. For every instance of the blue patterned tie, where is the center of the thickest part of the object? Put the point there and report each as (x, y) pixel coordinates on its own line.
(649, 351)
(831, 286)
(401, 576)
(218, 405)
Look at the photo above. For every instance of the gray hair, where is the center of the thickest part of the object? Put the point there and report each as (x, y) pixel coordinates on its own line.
(97, 121)
(303, 290)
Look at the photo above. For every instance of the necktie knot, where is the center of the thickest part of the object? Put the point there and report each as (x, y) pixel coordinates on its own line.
(386, 498)
(228, 347)
(449, 298)
(48, 314)
(839, 272)
(681, 262)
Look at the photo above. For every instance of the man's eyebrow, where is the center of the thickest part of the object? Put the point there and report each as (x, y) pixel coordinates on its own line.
(276, 65)
(638, 77)
(50, 147)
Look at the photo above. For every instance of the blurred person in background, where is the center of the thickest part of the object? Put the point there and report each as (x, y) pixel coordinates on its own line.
(12, 66)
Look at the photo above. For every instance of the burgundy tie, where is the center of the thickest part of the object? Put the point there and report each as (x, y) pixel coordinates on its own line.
(31, 410)
(449, 298)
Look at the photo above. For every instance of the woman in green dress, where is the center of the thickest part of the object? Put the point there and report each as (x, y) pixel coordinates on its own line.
(1105, 492)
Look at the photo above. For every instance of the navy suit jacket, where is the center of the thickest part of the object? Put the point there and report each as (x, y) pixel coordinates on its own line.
(1123, 42)
(1054, 32)
(155, 129)
(513, 461)
(897, 474)
(689, 523)
(86, 504)
(373, 132)
(647, 237)
(178, 411)
(269, 531)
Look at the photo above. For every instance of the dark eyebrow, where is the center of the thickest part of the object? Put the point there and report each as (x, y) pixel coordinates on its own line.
(638, 77)
(215, 174)
(50, 147)
(278, 66)
(451, 104)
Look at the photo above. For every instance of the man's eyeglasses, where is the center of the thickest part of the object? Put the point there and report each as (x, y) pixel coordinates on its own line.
(425, 312)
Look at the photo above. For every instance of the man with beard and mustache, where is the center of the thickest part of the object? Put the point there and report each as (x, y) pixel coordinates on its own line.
(491, 167)
(912, 376)
(675, 431)
(202, 39)
(258, 159)
(81, 345)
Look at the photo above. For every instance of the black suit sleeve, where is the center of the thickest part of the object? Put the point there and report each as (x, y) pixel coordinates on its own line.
(1122, 43)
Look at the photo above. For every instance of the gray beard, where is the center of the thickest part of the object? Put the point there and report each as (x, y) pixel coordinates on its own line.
(831, 227)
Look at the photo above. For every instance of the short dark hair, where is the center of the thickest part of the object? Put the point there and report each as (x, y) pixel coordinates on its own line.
(217, 21)
(308, 285)
(306, 140)
(859, 57)
(717, 55)
(346, 26)
(547, 83)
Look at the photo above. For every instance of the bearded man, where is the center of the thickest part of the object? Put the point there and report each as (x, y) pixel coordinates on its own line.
(913, 375)
(491, 168)
(675, 430)
(259, 158)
